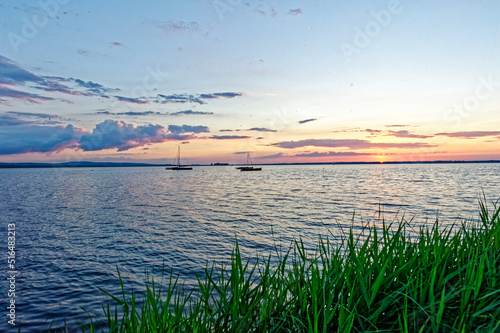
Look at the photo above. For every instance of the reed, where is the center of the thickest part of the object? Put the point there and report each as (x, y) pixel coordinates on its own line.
(384, 279)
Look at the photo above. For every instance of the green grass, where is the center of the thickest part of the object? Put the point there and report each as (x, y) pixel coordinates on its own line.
(390, 278)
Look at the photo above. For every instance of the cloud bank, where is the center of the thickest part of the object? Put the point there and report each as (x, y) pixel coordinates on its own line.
(122, 136)
(332, 153)
(349, 143)
(19, 136)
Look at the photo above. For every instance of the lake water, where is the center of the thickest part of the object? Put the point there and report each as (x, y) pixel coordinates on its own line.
(74, 226)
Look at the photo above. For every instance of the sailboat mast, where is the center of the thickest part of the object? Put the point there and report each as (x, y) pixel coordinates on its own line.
(249, 166)
(179, 156)
(177, 162)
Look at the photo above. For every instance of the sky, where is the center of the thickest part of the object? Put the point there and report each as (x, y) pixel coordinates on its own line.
(291, 81)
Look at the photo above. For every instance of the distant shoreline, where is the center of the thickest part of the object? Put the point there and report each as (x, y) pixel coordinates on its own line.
(87, 164)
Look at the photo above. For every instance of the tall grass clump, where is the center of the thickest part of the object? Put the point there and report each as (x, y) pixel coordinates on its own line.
(384, 279)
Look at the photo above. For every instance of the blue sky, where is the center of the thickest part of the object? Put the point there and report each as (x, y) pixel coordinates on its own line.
(288, 81)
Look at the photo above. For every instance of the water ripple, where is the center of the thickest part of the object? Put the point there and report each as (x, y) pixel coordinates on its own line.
(76, 226)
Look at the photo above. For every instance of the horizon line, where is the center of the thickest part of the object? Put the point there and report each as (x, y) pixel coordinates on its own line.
(83, 164)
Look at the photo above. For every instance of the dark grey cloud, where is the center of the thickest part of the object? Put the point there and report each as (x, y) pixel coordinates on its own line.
(194, 98)
(31, 118)
(296, 12)
(37, 139)
(407, 134)
(53, 84)
(254, 129)
(176, 129)
(470, 134)
(8, 120)
(178, 98)
(21, 95)
(307, 120)
(132, 100)
(221, 95)
(261, 129)
(12, 74)
(373, 131)
(398, 134)
(229, 137)
(317, 154)
(191, 112)
(332, 153)
(62, 85)
(31, 114)
(130, 113)
(156, 113)
(349, 143)
(93, 88)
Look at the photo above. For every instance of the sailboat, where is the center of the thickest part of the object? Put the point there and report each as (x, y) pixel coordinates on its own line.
(249, 166)
(178, 162)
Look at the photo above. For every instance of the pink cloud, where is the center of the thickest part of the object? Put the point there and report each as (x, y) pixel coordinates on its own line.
(349, 143)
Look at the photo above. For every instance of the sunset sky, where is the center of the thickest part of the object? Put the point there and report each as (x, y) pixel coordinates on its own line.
(287, 81)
